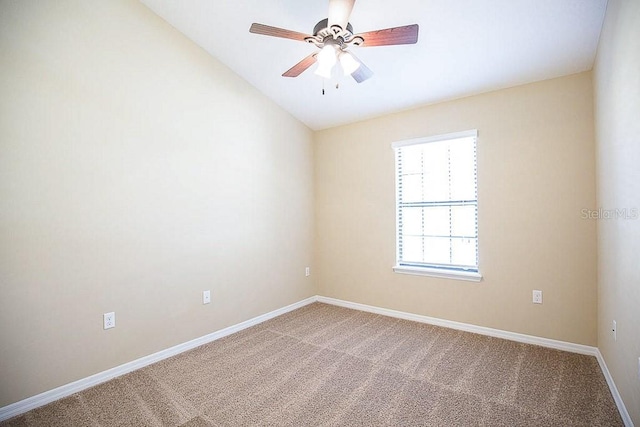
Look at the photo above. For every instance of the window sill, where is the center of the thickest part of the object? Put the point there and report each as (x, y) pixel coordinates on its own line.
(469, 276)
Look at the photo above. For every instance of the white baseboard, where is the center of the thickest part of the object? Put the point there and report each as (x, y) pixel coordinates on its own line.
(42, 399)
(498, 333)
(626, 418)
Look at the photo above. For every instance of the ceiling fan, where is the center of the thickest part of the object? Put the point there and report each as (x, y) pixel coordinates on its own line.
(333, 36)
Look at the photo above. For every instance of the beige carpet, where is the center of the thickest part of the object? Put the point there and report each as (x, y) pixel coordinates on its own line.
(328, 366)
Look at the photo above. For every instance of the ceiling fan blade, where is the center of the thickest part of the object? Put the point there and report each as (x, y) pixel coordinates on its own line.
(362, 73)
(390, 36)
(301, 66)
(339, 12)
(267, 30)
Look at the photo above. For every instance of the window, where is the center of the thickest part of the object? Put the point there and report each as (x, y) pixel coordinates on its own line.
(437, 206)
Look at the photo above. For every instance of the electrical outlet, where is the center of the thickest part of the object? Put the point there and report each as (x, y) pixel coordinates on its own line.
(614, 329)
(206, 297)
(307, 272)
(109, 320)
(537, 297)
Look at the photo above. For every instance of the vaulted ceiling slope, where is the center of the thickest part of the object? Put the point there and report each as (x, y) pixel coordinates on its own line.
(465, 47)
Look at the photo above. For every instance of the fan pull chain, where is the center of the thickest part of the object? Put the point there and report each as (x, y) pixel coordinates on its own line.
(323, 91)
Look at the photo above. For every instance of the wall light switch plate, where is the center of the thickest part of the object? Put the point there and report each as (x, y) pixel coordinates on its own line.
(307, 271)
(206, 297)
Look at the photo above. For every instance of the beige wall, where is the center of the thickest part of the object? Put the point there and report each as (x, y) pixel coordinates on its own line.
(536, 172)
(617, 114)
(135, 172)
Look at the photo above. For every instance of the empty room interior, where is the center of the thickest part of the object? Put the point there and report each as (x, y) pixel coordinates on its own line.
(192, 235)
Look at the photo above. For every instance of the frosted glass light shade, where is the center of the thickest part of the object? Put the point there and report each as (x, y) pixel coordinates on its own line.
(348, 62)
(326, 60)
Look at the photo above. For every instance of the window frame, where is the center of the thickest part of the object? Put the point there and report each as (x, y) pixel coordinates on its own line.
(433, 271)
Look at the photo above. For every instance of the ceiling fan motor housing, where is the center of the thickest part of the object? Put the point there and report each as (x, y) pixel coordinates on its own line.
(336, 29)
(323, 35)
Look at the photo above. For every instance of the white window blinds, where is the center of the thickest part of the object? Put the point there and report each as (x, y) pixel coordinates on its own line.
(437, 203)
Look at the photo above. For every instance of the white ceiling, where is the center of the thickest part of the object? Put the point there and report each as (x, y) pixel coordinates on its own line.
(464, 47)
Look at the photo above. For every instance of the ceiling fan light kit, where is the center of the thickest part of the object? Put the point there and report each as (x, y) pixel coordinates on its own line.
(334, 36)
